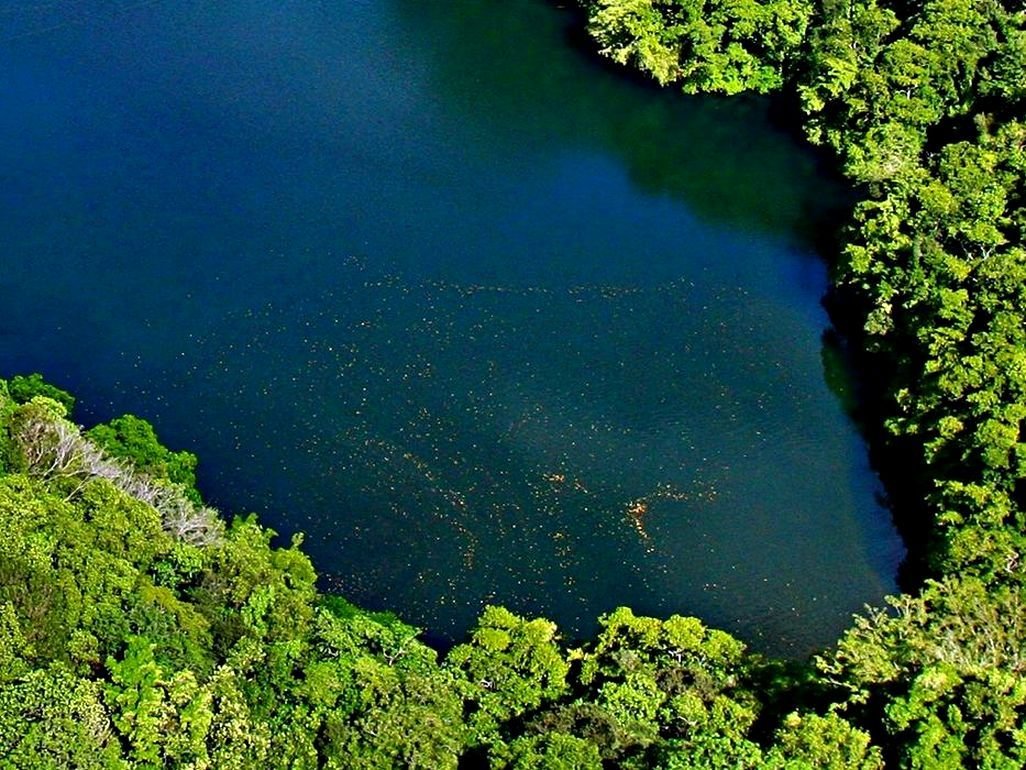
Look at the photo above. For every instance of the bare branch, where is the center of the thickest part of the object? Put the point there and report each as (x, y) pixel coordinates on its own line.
(55, 449)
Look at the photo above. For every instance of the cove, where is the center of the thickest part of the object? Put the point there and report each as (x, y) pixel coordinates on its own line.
(486, 321)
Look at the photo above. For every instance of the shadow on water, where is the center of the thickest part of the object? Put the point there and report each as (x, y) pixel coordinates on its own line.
(861, 381)
(727, 159)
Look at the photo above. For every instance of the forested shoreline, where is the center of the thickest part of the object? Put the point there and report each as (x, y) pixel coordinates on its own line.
(923, 104)
(138, 628)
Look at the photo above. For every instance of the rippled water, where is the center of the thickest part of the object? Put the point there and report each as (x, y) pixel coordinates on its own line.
(485, 320)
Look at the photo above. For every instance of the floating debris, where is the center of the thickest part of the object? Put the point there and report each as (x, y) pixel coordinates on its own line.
(463, 441)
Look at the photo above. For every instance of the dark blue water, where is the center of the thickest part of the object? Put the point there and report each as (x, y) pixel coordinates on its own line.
(485, 320)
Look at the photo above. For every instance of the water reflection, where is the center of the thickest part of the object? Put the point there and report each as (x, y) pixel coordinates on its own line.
(496, 64)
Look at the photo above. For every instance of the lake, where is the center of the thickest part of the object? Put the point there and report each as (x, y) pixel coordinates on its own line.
(487, 320)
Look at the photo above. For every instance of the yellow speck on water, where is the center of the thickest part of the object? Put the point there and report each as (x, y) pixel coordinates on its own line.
(637, 508)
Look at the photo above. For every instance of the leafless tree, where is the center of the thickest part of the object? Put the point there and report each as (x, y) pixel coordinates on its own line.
(53, 449)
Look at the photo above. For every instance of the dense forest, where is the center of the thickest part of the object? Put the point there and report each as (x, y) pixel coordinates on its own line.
(138, 628)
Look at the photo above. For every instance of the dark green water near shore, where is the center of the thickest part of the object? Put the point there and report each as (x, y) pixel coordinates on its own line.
(485, 320)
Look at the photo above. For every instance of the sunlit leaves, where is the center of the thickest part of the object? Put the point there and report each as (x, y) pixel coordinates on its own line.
(702, 45)
(509, 666)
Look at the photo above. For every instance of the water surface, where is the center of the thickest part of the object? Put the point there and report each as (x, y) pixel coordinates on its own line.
(485, 320)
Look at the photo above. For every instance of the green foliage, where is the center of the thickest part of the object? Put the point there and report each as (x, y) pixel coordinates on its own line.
(124, 645)
(164, 719)
(942, 674)
(23, 388)
(813, 742)
(552, 751)
(510, 666)
(131, 438)
(657, 692)
(8, 453)
(250, 589)
(923, 104)
(50, 718)
(724, 46)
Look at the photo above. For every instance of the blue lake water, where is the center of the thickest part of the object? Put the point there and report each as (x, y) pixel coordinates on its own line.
(486, 320)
